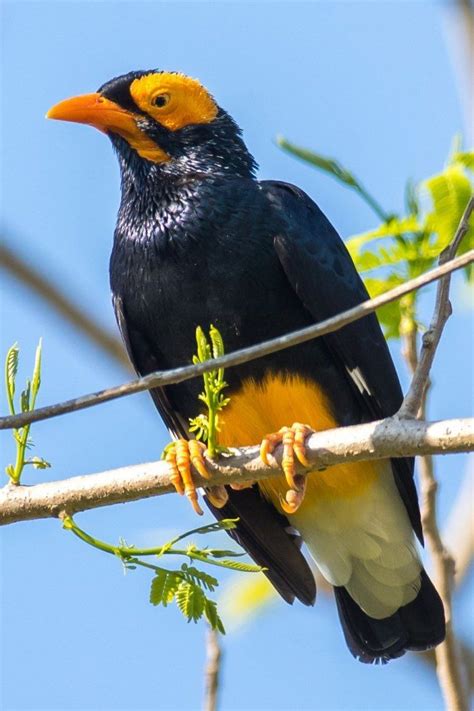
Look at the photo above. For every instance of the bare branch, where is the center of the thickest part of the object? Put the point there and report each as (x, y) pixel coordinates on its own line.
(391, 437)
(62, 304)
(213, 667)
(449, 660)
(458, 531)
(414, 398)
(467, 654)
(178, 375)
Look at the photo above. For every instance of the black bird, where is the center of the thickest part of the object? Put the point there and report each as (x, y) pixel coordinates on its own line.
(200, 240)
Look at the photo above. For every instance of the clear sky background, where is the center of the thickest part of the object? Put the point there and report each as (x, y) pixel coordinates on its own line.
(371, 83)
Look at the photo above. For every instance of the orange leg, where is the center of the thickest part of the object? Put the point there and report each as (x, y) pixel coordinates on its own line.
(293, 441)
(180, 455)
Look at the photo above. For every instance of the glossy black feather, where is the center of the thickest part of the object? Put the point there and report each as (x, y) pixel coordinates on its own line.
(322, 273)
(262, 531)
(265, 534)
(200, 241)
(417, 626)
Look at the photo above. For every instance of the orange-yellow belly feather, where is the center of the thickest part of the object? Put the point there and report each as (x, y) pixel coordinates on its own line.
(258, 409)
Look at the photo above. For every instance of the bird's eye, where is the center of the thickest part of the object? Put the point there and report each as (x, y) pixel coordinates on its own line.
(160, 100)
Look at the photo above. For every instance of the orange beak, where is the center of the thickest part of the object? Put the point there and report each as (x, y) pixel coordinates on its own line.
(107, 116)
(97, 111)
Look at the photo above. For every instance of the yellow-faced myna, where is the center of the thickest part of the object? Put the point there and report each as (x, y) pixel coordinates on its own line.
(200, 240)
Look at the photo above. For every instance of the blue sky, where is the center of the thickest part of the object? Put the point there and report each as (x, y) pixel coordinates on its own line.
(369, 83)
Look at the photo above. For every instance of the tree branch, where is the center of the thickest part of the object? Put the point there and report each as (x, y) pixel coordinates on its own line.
(55, 297)
(178, 375)
(449, 660)
(458, 532)
(213, 667)
(421, 366)
(391, 437)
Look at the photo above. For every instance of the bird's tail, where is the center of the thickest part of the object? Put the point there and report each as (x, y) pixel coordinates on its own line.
(417, 626)
(365, 547)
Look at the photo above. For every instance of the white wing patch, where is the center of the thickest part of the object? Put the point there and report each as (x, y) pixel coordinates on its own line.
(359, 380)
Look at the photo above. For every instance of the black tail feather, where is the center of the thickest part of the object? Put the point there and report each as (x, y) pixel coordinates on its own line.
(417, 626)
(264, 534)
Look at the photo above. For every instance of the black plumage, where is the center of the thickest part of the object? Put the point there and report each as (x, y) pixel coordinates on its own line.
(200, 240)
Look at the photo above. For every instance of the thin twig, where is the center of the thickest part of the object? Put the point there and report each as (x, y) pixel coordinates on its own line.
(414, 398)
(449, 661)
(60, 302)
(467, 654)
(384, 439)
(213, 668)
(178, 375)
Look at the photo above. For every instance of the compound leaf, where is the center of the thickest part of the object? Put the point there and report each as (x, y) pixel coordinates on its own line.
(190, 599)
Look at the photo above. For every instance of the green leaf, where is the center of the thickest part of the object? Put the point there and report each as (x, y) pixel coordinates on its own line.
(393, 228)
(411, 199)
(226, 524)
(217, 553)
(11, 369)
(36, 379)
(217, 342)
(210, 611)
(203, 348)
(242, 567)
(10, 470)
(450, 192)
(334, 168)
(199, 577)
(199, 426)
(164, 587)
(328, 165)
(39, 463)
(190, 599)
(25, 397)
(464, 158)
(390, 314)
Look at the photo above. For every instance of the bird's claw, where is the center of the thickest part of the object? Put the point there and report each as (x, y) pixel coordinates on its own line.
(180, 455)
(293, 441)
(241, 485)
(217, 496)
(294, 497)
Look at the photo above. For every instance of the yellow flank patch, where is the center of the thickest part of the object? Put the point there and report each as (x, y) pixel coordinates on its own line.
(174, 100)
(258, 409)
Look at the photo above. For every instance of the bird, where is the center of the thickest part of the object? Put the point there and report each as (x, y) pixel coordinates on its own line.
(200, 240)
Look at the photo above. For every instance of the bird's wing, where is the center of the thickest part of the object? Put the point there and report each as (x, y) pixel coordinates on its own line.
(144, 361)
(320, 270)
(261, 530)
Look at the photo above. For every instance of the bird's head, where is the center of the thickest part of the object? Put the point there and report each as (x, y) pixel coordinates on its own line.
(162, 121)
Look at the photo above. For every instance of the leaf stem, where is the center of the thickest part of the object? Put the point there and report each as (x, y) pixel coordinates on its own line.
(373, 203)
(129, 554)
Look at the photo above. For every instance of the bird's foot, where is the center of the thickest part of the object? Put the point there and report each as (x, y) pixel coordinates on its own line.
(240, 485)
(293, 441)
(217, 495)
(180, 455)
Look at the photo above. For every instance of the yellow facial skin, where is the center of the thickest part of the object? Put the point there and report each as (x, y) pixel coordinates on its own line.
(173, 100)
